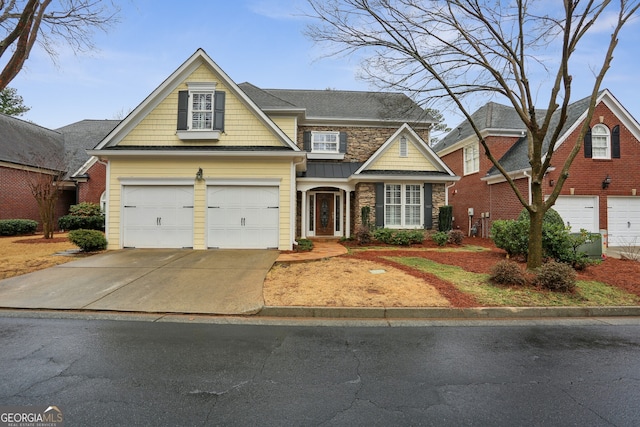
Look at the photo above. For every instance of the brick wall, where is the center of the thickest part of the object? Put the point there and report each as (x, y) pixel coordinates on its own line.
(91, 190)
(16, 200)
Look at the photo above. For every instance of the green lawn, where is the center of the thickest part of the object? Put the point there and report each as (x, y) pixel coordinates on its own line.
(487, 294)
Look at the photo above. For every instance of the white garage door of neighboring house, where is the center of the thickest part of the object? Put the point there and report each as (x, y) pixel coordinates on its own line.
(157, 216)
(243, 217)
(578, 212)
(623, 220)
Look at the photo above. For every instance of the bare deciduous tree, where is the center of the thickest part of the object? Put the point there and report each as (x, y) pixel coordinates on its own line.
(45, 186)
(23, 22)
(451, 49)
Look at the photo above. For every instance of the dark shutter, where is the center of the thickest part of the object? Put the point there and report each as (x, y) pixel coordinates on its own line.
(343, 142)
(183, 109)
(306, 141)
(588, 152)
(428, 206)
(218, 111)
(379, 204)
(615, 142)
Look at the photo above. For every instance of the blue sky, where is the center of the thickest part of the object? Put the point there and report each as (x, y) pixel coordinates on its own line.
(259, 41)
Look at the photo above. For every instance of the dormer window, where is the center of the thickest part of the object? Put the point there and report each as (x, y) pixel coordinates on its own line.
(200, 112)
(325, 142)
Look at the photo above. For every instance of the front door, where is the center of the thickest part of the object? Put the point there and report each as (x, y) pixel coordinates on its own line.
(324, 214)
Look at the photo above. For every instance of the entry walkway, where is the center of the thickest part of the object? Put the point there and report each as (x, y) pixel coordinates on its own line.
(321, 249)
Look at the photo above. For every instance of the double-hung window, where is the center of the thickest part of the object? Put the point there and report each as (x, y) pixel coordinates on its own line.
(471, 159)
(325, 142)
(601, 142)
(403, 205)
(200, 112)
(201, 116)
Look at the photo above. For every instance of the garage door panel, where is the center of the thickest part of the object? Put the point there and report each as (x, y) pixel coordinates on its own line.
(578, 212)
(243, 217)
(157, 216)
(623, 220)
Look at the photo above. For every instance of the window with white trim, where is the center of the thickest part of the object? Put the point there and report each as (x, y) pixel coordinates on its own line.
(601, 142)
(201, 110)
(325, 142)
(471, 159)
(403, 205)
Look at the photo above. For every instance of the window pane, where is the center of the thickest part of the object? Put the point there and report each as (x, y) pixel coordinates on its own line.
(393, 195)
(392, 215)
(412, 216)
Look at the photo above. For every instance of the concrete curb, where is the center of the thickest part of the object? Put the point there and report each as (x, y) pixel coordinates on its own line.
(447, 313)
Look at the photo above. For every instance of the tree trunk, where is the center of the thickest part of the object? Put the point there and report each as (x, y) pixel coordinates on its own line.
(534, 260)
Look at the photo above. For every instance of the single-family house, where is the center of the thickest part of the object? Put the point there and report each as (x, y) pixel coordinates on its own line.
(204, 162)
(28, 151)
(600, 194)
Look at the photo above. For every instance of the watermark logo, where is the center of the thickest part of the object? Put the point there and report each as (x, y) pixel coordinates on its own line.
(31, 416)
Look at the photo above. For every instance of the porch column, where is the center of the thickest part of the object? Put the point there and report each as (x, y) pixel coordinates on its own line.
(347, 225)
(303, 216)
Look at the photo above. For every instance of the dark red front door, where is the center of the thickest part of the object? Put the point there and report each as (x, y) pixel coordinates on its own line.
(324, 214)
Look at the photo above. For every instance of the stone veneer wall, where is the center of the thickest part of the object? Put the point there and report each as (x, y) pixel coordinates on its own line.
(362, 142)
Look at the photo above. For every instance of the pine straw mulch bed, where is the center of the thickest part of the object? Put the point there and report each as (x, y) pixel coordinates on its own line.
(332, 282)
(25, 254)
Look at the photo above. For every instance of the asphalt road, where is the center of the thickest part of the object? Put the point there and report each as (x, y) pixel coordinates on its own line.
(106, 373)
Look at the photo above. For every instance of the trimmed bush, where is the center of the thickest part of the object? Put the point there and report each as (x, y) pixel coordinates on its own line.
(550, 217)
(398, 237)
(85, 209)
(556, 276)
(72, 222)
(507, 273)
(456, 237)
(445, 218)
(512, 236)
(304, 245)
(441, 238)
(14, 227)
(88, 240)
(363, 235)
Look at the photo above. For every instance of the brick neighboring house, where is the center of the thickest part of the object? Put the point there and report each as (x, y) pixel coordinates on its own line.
(600, 194)
(27, 150)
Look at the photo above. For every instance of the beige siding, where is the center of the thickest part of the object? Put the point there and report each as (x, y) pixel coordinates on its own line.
(391, 160)
(177, 168)
(242, 126)
(288, 126)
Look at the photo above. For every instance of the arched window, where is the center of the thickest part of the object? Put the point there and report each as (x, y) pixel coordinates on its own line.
(601, 142)
(103, 202)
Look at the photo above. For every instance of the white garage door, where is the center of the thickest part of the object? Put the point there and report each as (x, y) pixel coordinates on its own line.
(157, 216)
(242, 217)
(623, 220)
(578, 212)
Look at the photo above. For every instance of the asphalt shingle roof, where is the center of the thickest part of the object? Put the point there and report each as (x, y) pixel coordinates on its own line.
(28, 144)
(339, 104)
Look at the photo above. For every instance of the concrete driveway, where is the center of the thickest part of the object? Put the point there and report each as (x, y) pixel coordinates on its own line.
(148, 280)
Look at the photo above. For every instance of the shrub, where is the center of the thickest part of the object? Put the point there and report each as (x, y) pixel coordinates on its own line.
(72, 222)
(512, 236)
(398, 237)
(14, 227)
(445, 218)
(88, 240)
(507, 273)
(85, 209)
(556, 276)
(550, 217)
(441, 238)
(456, 237)
(304, 245)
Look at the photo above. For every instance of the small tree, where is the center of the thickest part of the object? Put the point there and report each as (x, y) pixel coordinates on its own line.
(11, 103)
(45, 188)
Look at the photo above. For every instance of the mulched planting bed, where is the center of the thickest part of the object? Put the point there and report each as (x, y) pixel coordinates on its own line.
(624, 274)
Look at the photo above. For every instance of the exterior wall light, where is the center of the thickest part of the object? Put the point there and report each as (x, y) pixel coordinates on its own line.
(199, 174)
(606, 182)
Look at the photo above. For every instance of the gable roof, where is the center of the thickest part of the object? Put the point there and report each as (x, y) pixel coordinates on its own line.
(340, 105)
(424, 148)
(497, 118)
(27, 144)
(199, 58)
(82, 136)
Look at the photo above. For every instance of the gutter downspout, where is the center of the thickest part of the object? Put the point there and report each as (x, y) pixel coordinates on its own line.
(446, 192)
(525, 173)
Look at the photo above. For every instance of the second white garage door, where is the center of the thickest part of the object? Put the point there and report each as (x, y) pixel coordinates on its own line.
(623, 220)
(242, 217)
(578, 212)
